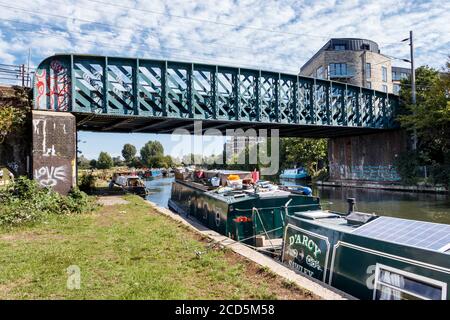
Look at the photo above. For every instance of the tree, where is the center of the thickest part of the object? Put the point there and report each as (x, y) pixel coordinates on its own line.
(128, 152)
(168, 162)
(191, 158)
(303, 151)
(93, 164)
(14, 108)
(156, 161)
(10, 118)
(117, 161)
(104, 161)
(152, 154)
(429, 118)
(136, 162)
(83, 163)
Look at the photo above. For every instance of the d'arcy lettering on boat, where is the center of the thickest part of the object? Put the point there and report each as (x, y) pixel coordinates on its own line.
(306, 242)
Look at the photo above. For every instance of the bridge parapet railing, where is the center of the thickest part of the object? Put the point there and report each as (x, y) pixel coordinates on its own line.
(157, 88)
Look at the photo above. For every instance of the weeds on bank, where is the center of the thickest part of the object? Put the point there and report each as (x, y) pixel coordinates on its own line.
(25, 201)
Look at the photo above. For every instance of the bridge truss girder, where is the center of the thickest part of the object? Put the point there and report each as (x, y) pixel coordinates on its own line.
(113, 87)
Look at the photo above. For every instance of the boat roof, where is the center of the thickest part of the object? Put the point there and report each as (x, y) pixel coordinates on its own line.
(422, 234)
(228, 171)
(242, 195)
(413, 233)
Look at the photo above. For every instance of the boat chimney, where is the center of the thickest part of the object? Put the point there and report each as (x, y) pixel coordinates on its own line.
(351, 204)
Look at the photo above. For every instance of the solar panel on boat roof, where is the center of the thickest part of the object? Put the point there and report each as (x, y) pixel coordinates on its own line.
(426, 235)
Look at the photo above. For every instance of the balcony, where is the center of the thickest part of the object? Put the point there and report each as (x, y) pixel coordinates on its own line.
(340, 71)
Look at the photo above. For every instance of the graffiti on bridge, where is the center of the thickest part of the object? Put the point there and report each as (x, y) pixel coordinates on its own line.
(366, 172)
(54, 86)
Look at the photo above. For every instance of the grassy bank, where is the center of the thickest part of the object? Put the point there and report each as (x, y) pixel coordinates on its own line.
(127, 251)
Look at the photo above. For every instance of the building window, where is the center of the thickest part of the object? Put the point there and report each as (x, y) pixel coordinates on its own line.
(384, 74)
(403, 75)
(395, 76)
(338, 69)
(384, 88)
(319, 72)
(369, 85)
(396, 284)
(368, 71)
(396, 88)
(339, 47)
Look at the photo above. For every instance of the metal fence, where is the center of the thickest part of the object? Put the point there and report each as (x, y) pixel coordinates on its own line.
(16, 74)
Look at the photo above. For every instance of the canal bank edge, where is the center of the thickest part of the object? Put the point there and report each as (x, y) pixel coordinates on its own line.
(374, 185)
(321, 290)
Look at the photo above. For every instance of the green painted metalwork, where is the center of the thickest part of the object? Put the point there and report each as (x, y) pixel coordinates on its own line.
(155, 88)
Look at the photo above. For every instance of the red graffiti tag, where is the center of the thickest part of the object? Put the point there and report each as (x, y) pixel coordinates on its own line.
(55, 85)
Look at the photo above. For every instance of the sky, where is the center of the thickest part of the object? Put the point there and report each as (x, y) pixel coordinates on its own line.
(268, 35)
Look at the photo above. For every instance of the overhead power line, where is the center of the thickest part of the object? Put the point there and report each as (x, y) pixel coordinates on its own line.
(35, 25)
(226, 23)
(134, 29)
(209, 21)
(188, 59)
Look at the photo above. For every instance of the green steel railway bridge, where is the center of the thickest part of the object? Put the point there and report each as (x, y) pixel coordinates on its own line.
(111, 94)
(141, 95)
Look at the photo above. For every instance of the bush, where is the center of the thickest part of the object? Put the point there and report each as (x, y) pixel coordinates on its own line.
(407, 165)
(321, 175)
(104, 161)
(25, 201)
(440, 174)
(87, 182)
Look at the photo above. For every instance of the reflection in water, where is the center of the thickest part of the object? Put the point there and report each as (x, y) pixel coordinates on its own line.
(159, 190)
(408, 205)
(417, 206)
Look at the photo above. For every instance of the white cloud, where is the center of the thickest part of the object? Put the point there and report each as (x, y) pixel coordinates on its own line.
(220, 31)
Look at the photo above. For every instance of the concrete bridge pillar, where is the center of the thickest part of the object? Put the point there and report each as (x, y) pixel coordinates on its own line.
(54, 149)
(368, 157)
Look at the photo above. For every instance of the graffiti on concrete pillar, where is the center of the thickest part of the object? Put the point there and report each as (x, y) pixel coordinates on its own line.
(13, 166)
(49, 176)
(54, 150)
(53, 87)
(40, 128)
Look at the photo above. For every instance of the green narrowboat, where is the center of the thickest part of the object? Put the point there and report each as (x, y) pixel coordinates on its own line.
(244, 214)
(368, 256)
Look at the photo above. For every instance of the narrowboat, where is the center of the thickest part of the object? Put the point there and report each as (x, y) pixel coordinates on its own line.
(369, 256)
(295, 173)
(234, 204)
(156, 173)
(130, 183)
(151, 173)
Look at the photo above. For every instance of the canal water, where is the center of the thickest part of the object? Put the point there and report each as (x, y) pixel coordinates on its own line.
(408, 205)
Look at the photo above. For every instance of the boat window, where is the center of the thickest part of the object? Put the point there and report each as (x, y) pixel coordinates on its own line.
(205, 212)
(395, 284)
(217, 218)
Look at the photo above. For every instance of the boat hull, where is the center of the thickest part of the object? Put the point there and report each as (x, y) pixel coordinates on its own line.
(240, 220)
(354, 263)
(293, 176)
